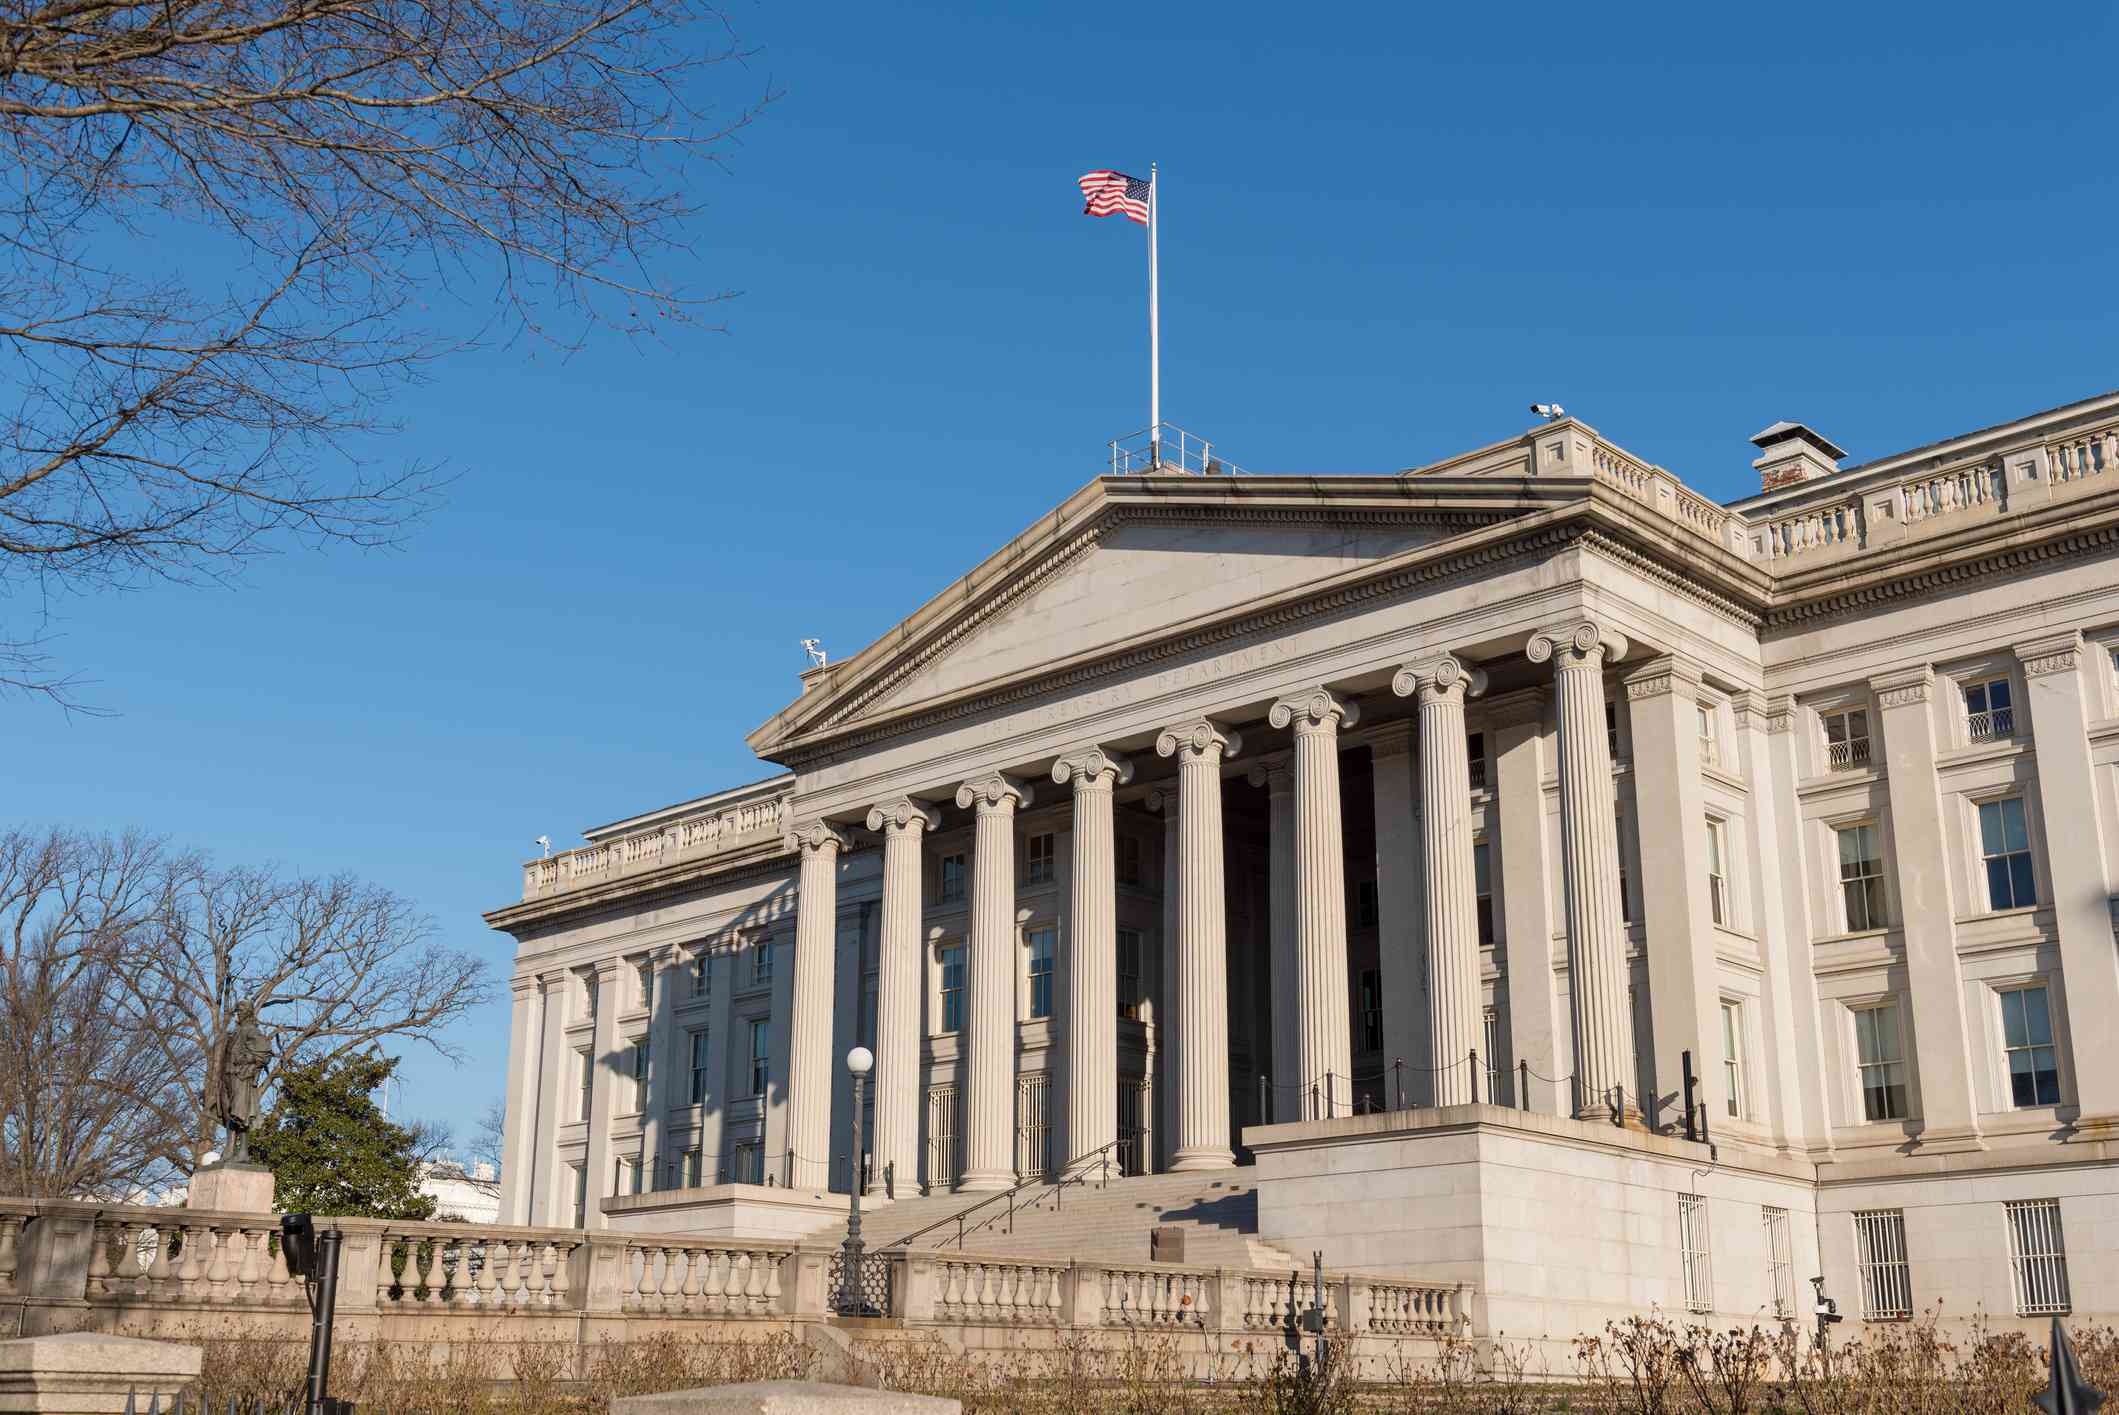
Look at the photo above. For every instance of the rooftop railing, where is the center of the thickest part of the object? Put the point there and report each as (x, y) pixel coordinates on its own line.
(716, 829)
(1176, 453)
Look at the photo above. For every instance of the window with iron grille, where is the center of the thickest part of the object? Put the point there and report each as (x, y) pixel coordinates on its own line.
(1611, 727)
(1881, 1057)
(1717, 873)
(2027, 1045)
(1483, 892)
(2005, 849)
(1693, 1253)
(1733, 1058)
(761, 1055)
(1042, 947)
(1371, 1010)
(1129, 974)
(1128, 863)
(700, 1060)
(694, 1167)
(945, 1160)
(951, 888)
(1037, 859)
(953, 989)
(1475, 758)
(1880, 1260)
(1780, 1261)
(2038, 1254)
(1990, 715)
(1861, 877)
(1033, 1126)
(746, 1163)
(1847, 739)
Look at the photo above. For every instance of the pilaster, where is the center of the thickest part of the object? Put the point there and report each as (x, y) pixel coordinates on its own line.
(1927, 897)
(809, 1029)
(598, 1154)
(989, 1110)
(526, 1118)
(2075, 862)
(1202, 946)
(1092, 952)
(1765, 730)
(903, 824)
(1456, 1014)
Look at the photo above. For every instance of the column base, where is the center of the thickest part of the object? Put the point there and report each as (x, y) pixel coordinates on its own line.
(985, 1181)
(1202, 1158)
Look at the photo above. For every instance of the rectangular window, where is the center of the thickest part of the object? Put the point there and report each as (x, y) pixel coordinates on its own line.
(1717, 874)
(1625, 881)
(1847, 739)
(1129, 973)
(1366, 909)
(699, 1065)
(1989, 714)
(953, 877)
(1693, 1250)
(1733, 1058)
(640, 1065)
(1037, 859)
(625, 1177)
(1483, 892)
(1043, 944)
(1475, 758)
(646, 973)
(1371, 1010)
(1611, 728)
(694, 1168)
(1880, 1258)
(1881, 1056)
(1129, 863)
(761, 1056)
(702, 975)
(588, 1082)
(1780, 1261)
(1490, 1058)
(2005, 848)
(2027, 1042)
(2039, 1255)
(1710, 747)
(581, 1194)
(953, 989)
(761, 962)
(1861, 877)
(746, 1163)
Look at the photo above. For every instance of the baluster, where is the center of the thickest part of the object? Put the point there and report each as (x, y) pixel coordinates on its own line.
(718, 1281)
(630, 1262)
(952, 1287)
(754, 1282)
(694, 1277)
(558, 1279)
(101, 1281)
(772, 1283)
(249, 1271)
(675, 1261)
(219, 1279)
(1055, 1297)
(129, 1273)
(10, 1233)
(486, 1281)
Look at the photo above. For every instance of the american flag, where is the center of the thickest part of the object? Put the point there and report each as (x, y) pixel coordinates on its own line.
(1115, 194)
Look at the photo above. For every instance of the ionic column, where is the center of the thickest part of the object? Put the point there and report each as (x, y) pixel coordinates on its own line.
(902, 823)
(1202, 946)
(1401, 918)
(989, 1101)
(1589, 848)
(1277, 775)
(809, 1059)
(1324, 1047)
(1163, 801)
(1456, 1011)
(1092, 951)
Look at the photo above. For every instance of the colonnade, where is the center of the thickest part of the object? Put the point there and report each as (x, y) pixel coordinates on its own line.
(1312, 1017)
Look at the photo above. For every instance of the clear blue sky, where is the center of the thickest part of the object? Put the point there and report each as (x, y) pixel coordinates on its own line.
(1387, 230)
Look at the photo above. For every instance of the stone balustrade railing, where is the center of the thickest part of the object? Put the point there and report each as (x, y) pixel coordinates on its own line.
(716, 829)
(1664, 494)
(125, 1261)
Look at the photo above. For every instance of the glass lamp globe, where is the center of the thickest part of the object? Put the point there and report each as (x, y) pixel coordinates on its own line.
(860, 1061)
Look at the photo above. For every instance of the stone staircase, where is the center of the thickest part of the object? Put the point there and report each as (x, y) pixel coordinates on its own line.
(1217, 1209)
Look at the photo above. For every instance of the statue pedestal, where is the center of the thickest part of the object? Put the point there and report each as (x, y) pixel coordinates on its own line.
(236, 1188)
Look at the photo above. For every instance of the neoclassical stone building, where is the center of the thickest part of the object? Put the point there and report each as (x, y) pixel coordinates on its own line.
(1424, 843)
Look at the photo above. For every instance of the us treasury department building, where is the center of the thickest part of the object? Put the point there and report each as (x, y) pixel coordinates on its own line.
(1521, 869)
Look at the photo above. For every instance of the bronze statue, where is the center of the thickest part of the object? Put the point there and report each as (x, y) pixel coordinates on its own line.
(233, 1074)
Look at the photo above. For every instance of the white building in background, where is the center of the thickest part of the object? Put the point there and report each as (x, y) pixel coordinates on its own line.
(1406, 839)
(468, 1193)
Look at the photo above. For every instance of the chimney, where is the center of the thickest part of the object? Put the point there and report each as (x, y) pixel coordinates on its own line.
(1790, 453)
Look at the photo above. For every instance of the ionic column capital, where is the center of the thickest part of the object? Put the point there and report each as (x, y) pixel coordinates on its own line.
(815, 835)
(1582, 641)
(1276, 773)
(1201, 738)
(1443, 678)
(995, 791)
(1091, 767)
(904, 816)
(1314, 708)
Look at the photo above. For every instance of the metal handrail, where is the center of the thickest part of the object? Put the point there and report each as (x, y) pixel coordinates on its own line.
(1069, 1173)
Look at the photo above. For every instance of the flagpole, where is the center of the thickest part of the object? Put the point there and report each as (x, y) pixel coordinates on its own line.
(1155, 350)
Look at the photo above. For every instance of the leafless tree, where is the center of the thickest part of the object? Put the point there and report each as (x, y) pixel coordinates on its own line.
(224, 221)
(488, 1142)
(123, 964)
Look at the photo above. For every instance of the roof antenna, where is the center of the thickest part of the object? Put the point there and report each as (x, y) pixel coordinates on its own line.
(815, 649)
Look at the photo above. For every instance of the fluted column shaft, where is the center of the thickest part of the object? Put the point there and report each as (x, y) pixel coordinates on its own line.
(1324, 1047)
(989, 1151)
(1589, 847)
(904, 824)
(1202, 947)
(809, 1068)
(1456, 1010)
(1092, 952)
(1284, 967)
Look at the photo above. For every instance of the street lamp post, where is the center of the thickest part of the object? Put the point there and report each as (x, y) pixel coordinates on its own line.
(851, 1295)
